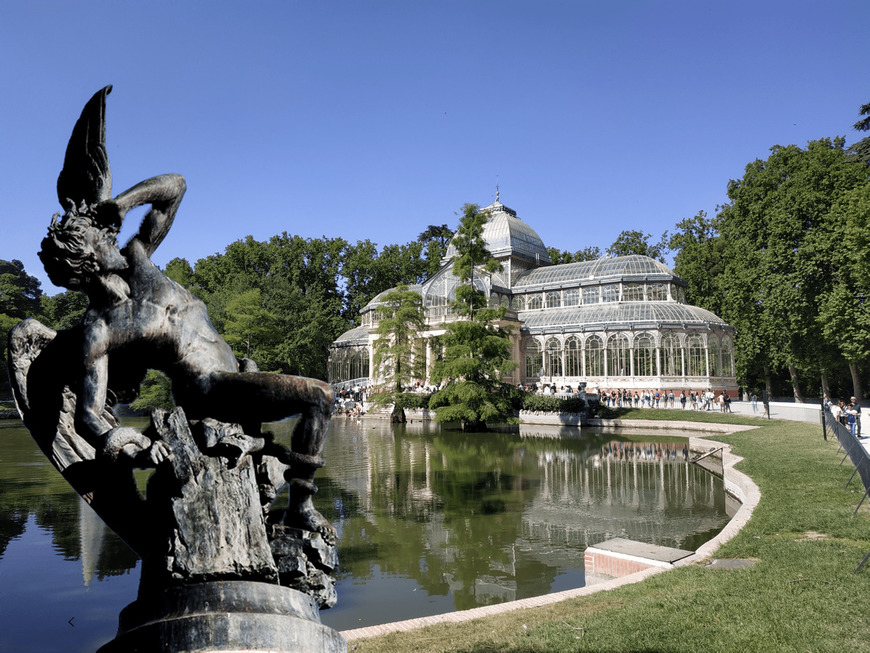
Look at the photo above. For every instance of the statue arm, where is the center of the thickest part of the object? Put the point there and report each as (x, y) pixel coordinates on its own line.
(163, 193)
(109, 440)
(92, 397)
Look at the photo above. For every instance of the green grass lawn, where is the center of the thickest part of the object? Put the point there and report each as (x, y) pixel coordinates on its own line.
(801, 595)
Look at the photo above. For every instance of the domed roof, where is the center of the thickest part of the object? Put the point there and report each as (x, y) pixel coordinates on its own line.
(633, 267)
(616, 315)
(378, 300)
(358, 336)
(506, 235)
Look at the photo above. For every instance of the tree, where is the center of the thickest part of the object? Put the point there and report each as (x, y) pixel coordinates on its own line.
(435, 239)
(252, 331)
(19, 292)
(63, 310)
(367, 272)
(20, 297)
(477, 350)
(298, 280)
(844, 313)
(780, 254)
(700, 260)
(396, 354)
(154, 392)
(636, 242)
(440, 234)
(558, 257)
(471, 252)
(861, 149)
(180, 271)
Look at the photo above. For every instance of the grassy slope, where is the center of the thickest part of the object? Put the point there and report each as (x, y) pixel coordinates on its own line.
(801, 595)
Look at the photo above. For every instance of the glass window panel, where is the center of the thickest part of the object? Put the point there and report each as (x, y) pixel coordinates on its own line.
(553, 358)
(590, 295)
(644, 356)
(632, 292)
(572, 357)
(533, 302)
(697, 366)
(519, 302)
(610, 292)
(714, 356)
(554, 299)
(594, 356)
(617, 356)
(670, 351)
(534, 359)
(657, 292)
(571, 297)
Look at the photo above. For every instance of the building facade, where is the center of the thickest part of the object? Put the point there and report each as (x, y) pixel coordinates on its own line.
(612, 323)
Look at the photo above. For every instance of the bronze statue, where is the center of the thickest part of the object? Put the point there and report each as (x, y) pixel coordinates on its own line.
(139, 319)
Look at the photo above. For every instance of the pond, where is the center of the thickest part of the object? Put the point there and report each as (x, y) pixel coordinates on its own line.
(429, 521)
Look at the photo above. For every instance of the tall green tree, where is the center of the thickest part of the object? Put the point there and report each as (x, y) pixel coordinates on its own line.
(298, 280)
(476, 350)
(632, 241)
(397, 355)
(844, 312)
(699, 260)
(251, 330)
(779, 258)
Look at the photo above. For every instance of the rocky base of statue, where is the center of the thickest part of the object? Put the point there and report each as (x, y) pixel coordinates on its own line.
(305, 561)
(225, 578)
(225, 616)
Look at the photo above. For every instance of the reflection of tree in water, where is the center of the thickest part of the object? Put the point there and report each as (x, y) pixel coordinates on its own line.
(30, 486)
(492, 517)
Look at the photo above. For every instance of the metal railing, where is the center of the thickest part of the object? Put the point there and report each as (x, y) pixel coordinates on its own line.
(855, 452)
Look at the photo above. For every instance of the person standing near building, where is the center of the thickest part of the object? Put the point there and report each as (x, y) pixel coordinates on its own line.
(857, 415)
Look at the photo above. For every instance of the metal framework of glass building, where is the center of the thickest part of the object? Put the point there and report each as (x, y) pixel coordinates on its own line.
(612, 323)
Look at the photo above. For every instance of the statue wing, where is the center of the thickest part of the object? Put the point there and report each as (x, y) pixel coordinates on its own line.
(86, 176)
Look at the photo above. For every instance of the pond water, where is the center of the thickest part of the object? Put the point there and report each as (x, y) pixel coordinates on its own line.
(429, 521)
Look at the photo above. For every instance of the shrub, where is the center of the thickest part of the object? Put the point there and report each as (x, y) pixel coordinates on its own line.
(543, 404)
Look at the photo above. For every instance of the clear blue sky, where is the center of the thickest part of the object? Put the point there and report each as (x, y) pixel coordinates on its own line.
(374, 119)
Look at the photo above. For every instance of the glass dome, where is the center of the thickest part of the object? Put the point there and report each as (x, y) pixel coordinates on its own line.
(506, 235)
(378, 300)
(358, 336)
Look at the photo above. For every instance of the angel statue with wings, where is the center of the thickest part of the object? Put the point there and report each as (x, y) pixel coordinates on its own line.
(138, 319)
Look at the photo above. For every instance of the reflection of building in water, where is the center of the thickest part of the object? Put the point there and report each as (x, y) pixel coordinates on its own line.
(92, 533)
(500, 517)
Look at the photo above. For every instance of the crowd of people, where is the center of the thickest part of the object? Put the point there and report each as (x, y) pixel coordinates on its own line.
(351, 402)
(705, 400)
(847, 413)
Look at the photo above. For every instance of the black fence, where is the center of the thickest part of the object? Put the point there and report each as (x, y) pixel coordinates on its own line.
(855, 452)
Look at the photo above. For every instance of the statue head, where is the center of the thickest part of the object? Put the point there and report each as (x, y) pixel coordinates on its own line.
(79, 252)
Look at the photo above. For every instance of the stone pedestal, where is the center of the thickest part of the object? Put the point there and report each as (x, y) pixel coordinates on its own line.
(225, 616)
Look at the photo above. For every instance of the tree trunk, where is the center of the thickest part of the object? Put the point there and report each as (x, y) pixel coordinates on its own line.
(826, 389)
(856, 381)
(398, 415)
(768, 383)
(795, 384)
